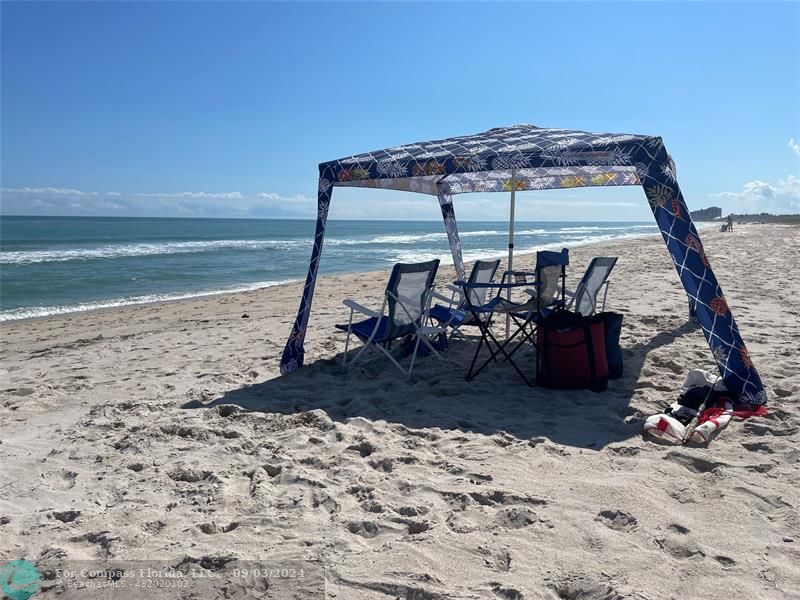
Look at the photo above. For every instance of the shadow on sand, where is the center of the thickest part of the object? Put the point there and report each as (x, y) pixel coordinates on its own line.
(437, 396)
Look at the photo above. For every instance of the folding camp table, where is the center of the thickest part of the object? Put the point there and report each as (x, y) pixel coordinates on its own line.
(520, 314)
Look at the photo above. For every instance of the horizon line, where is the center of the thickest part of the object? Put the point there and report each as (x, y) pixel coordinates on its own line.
(313, 219)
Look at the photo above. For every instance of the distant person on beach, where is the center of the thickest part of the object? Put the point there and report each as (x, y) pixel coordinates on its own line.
(730, 222)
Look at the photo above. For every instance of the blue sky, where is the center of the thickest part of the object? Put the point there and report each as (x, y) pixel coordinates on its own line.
(206, 109)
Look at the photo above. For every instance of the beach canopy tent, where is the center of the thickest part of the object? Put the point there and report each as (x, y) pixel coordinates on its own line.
(525, 157)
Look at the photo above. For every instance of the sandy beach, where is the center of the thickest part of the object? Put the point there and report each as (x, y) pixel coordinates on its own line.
(165, 432)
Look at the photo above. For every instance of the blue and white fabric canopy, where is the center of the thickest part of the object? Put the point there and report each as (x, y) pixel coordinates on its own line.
(525, 157)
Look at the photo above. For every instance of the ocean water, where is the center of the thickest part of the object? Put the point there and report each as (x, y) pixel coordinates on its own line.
(52, 265)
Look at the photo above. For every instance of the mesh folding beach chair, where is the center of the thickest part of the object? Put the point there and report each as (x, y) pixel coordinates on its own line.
(584, 299)
(551, 269)
(550, 280)
(404, 313)
(455, 315)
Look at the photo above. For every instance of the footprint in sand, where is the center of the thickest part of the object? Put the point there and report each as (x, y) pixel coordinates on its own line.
(314, 461)
(366, 529)
(414, 527)
(758, 447)
(320, 499)
(623, 451)
(371, 506)
(693, 462)
(617, 520)
(384, 464)
(506, 593)
(515, 518)
(228, 410)
(677, 528)
(412, 511)
(66, 516)
(758, 428)
(102, 539)
(497, 560)
(679, 543)
(764, 502)
(364, 448)
(583, 587)
(725, 561)
(458, 501)
(65, 481)
(500, 497)
(154, 527)
(213, 528)
(190, 475)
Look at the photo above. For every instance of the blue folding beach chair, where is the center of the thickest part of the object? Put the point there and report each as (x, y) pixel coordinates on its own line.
(455, 315)
(406, 305)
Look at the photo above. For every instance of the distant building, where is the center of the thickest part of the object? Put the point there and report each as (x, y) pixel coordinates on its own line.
(707, 214)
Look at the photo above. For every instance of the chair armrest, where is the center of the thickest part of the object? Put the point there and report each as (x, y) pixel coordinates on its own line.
(492, 284)
(441, 297)
(430, 330)
(526, 273)
(569, 293)
(514, 274)
(533, 292)
(455, 289)
(353, 305)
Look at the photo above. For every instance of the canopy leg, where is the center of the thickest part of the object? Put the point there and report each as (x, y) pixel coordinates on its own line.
(510, 268)
(293, 352)
(706, 299)
(449, 216)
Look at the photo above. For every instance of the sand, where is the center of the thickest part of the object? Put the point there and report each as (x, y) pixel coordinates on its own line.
(165, 432)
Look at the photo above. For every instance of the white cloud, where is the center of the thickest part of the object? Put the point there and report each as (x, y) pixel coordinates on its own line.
(273, 197)
(794, 146)
(589, 204)
(761, 196)
(348, 203)
(68, 201)
(220, 195)
(48, 190)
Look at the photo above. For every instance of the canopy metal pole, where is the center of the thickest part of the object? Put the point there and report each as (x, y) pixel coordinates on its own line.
(511, 244)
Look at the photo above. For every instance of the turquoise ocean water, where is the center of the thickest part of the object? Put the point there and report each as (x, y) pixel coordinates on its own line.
(51, 265)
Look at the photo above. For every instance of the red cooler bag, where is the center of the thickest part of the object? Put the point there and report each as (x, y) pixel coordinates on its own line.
(571, 352)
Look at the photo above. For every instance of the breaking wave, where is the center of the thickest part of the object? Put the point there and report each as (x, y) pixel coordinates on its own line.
(45, 311)
(23, 257)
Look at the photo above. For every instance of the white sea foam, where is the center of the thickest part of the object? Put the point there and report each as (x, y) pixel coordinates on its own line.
(409, 239)
(21, 257)
(475, 254)
(45, 311)
(590, 228)
(445, 257)
(385, 248)
(502, 232)
(426, 237)
(386, 239)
